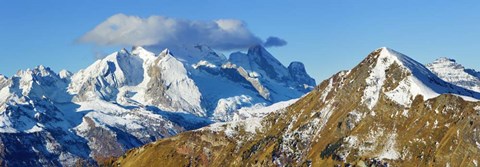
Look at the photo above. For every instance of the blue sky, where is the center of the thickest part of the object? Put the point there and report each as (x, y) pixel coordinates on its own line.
(327, 36)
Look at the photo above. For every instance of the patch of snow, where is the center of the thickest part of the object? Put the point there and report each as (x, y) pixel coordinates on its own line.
(350, 142)
(226, 107)
(327, 90)
(405, 113)
(203, 63)
(259, 111)
(389, 150)
(249, 118)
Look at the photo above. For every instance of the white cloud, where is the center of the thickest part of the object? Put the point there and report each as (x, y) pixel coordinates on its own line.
(124, 30)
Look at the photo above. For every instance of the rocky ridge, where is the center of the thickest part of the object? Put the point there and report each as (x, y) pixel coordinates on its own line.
(388, 110)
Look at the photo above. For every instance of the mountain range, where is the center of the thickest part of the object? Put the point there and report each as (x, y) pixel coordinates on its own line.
(130, 98)
(389, 110)
(193, 106)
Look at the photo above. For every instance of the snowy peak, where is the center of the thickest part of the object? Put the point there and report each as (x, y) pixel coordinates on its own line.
(193, 54)
(38, 83)
(401, 79)
(388, 55)
(65, 74)
(138, 49)
(37, 71)
(164, 52)
(445, 62)
(139, 78)
(210, 55)
(38, 75)
(143, 53)
(453, 72)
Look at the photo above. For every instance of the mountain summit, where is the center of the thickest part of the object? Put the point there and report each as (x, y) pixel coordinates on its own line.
(451, 71)
(406, 78)
(388, 110)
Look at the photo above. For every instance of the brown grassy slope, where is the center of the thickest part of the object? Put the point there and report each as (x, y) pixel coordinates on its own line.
(319, 128)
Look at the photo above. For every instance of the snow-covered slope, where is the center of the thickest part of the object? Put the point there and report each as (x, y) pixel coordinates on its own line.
(185, 83)
(249, 118)
(416, 79)
(453, 72)
(141, 78)
(130, 98)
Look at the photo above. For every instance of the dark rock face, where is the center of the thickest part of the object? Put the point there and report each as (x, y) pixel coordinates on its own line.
(269, 68)
(299, 74)
(265, 61)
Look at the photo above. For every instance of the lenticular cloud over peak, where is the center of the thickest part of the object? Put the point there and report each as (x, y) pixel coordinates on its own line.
(222, 34)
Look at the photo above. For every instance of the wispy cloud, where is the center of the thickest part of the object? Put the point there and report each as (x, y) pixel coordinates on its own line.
(223, 34)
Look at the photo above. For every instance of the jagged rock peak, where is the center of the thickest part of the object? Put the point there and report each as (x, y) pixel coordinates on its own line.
(299, 74)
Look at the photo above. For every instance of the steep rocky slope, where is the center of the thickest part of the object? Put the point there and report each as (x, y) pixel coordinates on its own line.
(389, 109)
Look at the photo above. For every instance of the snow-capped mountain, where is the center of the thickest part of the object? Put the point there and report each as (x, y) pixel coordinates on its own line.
(415, 80)
(140, 78)
(184, 83)
(388, 110)
(453, 72)
(41, 121)
(130, 98)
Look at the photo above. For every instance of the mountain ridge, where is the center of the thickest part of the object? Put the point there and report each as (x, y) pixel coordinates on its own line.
(335, 125)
